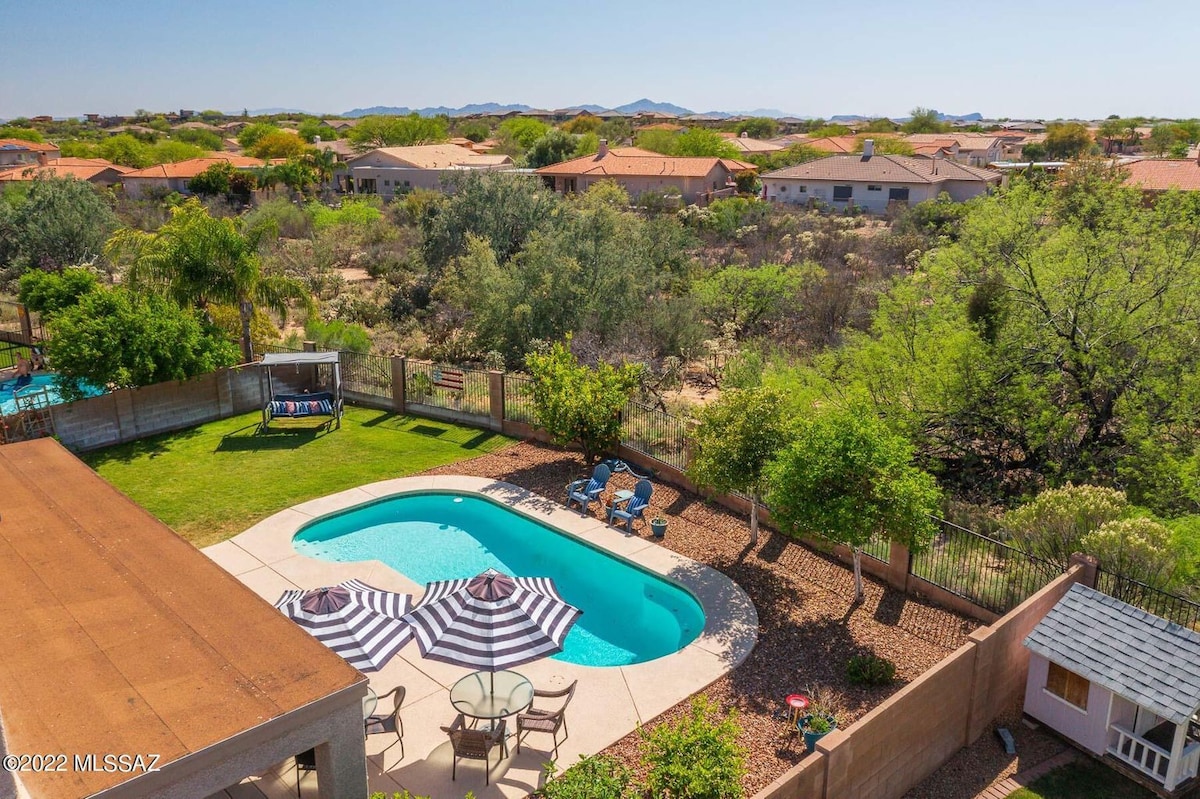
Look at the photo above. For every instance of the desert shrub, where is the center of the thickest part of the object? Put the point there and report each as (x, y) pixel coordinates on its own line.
(356, 213)
(695, 757)
(281, 216)
(870, 670)
(596, 777)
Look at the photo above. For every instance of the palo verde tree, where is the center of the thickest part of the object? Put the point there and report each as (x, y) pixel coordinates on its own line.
(848, 479)
(736, 439)
(578, 405)
(197, 260)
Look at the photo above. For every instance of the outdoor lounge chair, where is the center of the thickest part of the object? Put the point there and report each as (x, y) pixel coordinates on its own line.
(475, 744)
(539, 720)
(588, 490)
(391, 723)
(304, 406)
(634, 507)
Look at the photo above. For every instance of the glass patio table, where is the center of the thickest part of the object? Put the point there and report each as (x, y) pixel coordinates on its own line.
(491, 696)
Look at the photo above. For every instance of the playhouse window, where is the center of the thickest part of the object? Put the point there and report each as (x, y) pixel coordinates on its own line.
(1068, 686)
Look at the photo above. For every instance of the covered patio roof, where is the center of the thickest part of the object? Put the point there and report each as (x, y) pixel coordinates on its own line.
(1137, 655)
(118, 636)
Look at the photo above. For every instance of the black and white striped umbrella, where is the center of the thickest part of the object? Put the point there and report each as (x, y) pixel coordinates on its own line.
(362, 624)
(491, 622)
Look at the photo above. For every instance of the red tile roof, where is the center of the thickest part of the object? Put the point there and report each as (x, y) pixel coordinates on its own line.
(632, 161)
(32, 146)
(1163, 174)
(80, 168)
(194, 166)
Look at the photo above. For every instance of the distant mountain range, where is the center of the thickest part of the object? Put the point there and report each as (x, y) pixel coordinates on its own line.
(629, 108)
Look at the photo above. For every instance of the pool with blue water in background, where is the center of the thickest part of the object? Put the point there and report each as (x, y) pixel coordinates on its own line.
(629, 615)
(42, 382)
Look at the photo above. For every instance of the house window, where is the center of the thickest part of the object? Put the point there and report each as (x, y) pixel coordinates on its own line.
(842, 193)
(387, 182)
(802, 189)
(872, 187)
(1068, 686)
(899, 195)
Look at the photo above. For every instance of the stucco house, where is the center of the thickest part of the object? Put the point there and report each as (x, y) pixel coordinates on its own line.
(1120, 683)
(166, 178)
(640, 171)
(389, 171)
(94, 170)
(872, 182)
(974, 149)
(19, 151)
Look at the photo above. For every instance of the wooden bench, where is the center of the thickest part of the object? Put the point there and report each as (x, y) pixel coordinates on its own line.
(303, 406)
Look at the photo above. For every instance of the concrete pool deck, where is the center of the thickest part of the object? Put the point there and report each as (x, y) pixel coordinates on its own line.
(609, 702)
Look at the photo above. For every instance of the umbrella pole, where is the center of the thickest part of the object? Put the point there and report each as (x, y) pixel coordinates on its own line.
(492, 677)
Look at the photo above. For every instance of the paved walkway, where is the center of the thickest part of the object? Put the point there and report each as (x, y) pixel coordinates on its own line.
(608, 704)
(1001, 789)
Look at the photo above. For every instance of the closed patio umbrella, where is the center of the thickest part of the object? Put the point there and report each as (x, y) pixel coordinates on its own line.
(362, 624)
(491, 622)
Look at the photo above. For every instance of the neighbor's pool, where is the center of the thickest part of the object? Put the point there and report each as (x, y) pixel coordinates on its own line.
(42, 381)
(629, 615)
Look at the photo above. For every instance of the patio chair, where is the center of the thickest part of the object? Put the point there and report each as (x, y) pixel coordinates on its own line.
(476, 745)
(588, 490)
(633, 507)
(306, 761)
(390, 723)
(538, 720)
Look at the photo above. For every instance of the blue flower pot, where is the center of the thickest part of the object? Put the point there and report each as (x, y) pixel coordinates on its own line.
(810, 737)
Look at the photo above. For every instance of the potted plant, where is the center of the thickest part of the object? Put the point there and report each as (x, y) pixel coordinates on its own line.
(658, 525)
(822, 715)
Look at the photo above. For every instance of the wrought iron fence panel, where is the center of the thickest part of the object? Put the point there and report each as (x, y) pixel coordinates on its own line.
(1150, 599)
(451, 387)
(518, 399)
(366, 373)
(652, 432)
(880, 549)
(985, 570)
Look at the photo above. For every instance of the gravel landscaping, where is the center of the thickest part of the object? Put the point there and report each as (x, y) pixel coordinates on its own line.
(808, 626)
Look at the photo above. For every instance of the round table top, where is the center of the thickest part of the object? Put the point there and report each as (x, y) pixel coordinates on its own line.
(798, 701)
(484, 695)
(370, 702)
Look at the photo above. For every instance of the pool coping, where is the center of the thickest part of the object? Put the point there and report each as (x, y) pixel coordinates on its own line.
(264, 558)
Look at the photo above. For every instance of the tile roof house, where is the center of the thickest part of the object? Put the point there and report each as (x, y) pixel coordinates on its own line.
(94, 170)
(873, 182)
(124, 638)
(166, 178)
(19, 151)
(975, 149)
(389, 171)
(642, 171)
(1156, 175)
(747, 145)
(1122, 684)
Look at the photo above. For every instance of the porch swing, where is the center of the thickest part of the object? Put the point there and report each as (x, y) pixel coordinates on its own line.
(316, 404)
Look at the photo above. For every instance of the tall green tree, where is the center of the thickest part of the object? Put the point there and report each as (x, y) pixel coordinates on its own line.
(849, 479)
(924, 120)
(51, 224)
(735, 440)
(1066, 140)
(522, 131)
(397, 131)
(195, 260)
(578, 405)
(113, 337)
(551, 148)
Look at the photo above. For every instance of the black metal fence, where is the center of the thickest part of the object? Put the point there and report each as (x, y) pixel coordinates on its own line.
(518, 399)
(1153, 600)
(366, 374)
(655, 433)
(985, 570)
(450, 387)
(879, 549)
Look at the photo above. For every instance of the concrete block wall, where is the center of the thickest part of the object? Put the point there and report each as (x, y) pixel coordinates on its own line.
(908, 737)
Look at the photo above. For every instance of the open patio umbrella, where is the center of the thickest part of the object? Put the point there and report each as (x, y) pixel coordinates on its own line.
(491, 622)
(362, 624)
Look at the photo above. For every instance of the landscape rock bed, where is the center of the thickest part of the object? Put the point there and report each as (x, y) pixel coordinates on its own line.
(808, 626)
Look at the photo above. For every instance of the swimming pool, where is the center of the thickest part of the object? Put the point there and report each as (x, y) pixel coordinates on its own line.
(42, 381)
(629, 615)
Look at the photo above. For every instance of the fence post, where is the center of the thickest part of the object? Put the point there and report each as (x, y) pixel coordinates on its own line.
(311, 346)
(398, 371)
(899, 565)
(1090, 566)
(496, 398)
(26, 323)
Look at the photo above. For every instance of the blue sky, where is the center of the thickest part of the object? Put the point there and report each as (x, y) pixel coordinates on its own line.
(1009, 59)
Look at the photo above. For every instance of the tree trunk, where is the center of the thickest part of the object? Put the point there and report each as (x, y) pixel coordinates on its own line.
(753, 519)
(858, 588)
(246, 311)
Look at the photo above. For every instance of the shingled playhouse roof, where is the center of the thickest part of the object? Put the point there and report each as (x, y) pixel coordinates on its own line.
(1137, 655)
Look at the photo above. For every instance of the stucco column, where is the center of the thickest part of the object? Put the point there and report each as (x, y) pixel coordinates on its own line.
(496, 398)
(399, 399)
(342, 760)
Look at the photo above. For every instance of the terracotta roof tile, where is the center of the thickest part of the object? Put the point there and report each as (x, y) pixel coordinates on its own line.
(32, 146)
(632, 161)
(194, 166)
(432, 156)
(80, 168)
(1163, 174)
(885, 168)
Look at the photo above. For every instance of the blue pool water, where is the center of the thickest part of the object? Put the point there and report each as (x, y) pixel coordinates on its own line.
(41, 380)
(629, 615)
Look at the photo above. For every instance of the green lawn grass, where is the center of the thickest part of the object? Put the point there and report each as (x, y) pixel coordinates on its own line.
(1083, 779)
(213, 481)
